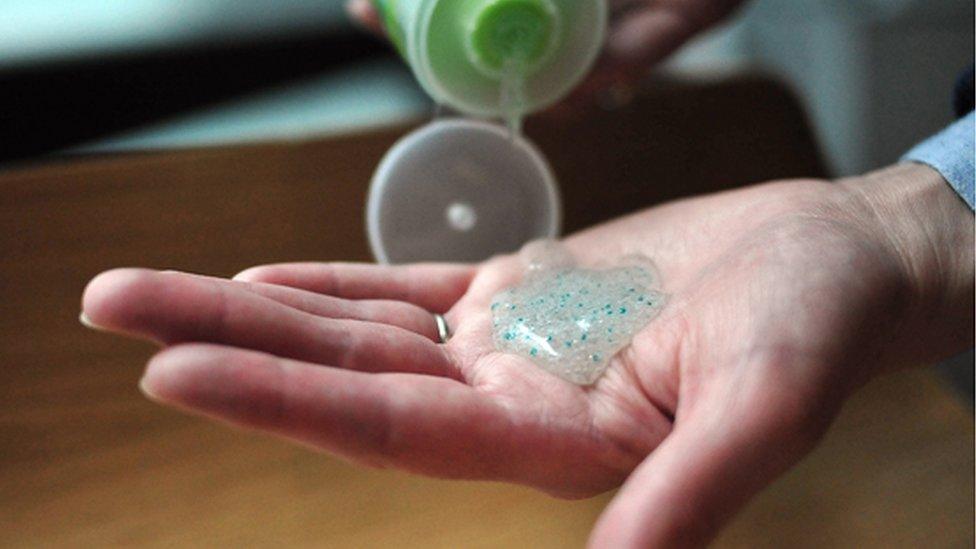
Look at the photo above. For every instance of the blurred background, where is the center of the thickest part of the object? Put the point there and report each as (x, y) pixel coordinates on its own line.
(136, 74)
(151, 131)
(132, 74)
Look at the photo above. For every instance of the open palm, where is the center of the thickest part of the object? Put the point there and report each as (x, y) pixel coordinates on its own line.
(770, 289)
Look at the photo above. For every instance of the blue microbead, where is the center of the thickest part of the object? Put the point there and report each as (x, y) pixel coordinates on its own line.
(566, 301)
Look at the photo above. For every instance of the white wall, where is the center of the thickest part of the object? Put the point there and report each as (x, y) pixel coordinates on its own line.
(37, 31)
(876, 76)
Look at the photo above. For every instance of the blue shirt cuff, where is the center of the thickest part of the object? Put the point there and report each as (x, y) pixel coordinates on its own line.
(953, 155)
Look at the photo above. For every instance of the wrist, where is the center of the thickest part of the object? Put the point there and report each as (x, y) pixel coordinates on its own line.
(915, 214)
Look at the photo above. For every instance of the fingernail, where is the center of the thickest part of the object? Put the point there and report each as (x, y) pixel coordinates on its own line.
(357, 8)
(87, 322)
(144, 387)
(251, 274)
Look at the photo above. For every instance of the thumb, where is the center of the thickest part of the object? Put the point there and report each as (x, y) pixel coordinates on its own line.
(716, 458)
(364, 13)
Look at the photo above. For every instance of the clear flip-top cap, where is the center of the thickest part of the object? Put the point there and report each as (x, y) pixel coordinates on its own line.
(460, 190)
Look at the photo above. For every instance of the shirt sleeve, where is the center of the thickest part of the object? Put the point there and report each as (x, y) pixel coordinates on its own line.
(952, 154)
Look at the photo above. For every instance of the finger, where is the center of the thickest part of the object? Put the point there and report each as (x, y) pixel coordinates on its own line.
(435, 287)
(364, 13)
(173, 308)
(395, 313)
(714, 461)
(420, 423)
(643, 33)
(647, 36)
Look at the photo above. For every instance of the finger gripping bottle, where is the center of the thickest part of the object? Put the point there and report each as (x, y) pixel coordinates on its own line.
(466, 53)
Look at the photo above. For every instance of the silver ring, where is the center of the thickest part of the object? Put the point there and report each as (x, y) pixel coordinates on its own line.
(443, 330)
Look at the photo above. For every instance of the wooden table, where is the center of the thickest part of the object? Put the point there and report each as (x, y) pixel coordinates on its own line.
(86, 461)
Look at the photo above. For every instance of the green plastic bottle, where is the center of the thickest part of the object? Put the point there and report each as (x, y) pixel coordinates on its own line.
(496, 58)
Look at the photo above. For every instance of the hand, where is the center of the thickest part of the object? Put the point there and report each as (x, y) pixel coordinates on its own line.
(642, 33)
(784, 298)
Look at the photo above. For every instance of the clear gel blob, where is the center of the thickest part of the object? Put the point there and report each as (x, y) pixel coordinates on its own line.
(571, 321)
